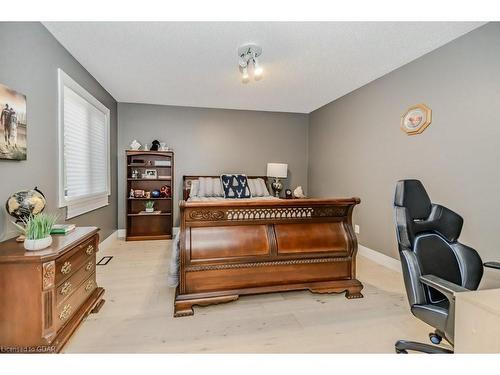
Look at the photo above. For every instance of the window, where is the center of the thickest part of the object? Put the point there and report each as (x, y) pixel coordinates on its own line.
(84, 168)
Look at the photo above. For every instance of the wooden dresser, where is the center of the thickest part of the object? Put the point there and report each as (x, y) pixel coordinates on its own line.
(45, 295)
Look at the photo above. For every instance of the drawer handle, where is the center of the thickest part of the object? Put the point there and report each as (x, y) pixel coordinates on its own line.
(66, 268)
(89, 285)
(89, 266)
(66, 288)
(65, 313)
(90, 250)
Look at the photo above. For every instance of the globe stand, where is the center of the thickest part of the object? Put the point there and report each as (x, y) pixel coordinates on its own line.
(21, 238)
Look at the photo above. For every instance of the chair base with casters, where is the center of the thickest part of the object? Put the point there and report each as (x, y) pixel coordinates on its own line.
(448, 289)
(402, 347)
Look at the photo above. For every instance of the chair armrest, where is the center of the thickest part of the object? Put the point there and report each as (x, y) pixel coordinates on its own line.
(495, 265)
(443, 286)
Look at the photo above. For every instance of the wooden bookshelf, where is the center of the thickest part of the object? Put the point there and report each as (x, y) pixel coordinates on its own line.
(149, 226)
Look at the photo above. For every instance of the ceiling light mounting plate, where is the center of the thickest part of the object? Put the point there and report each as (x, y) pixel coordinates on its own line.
(248, 52)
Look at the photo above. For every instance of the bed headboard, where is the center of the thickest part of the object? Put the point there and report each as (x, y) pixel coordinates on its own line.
(186, 183)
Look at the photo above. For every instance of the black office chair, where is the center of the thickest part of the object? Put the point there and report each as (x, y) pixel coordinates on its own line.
(435, 265)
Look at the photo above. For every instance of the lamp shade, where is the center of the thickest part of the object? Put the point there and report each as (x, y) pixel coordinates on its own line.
(277, 170)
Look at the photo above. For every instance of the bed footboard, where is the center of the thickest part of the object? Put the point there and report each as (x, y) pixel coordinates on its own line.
(232, 248)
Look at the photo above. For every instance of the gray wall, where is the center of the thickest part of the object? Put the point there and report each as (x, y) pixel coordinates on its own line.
(357, 148)
(29, 58)
(213, 141)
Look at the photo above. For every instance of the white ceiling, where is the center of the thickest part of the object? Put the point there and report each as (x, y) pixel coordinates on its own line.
(306, 64)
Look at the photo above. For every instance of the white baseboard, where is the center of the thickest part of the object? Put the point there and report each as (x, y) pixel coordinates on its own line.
(104, 245)
(382, 259)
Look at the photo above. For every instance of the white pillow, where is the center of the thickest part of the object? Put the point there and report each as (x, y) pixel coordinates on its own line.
(263, 186)
(210, 187)
(252, 187)
(195, 186)
(217, 188)
(258, 187)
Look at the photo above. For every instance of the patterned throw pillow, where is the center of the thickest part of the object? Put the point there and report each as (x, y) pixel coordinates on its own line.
(235, 186)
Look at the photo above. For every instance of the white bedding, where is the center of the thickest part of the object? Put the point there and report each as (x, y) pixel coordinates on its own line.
(173, 270)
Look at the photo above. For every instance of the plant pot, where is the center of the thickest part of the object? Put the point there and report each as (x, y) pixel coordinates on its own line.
(34, 245)
(150, 210)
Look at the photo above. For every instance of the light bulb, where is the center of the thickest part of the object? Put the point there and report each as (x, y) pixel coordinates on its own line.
(244, 74)
(257, 69)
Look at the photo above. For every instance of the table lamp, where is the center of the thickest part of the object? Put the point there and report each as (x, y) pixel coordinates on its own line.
(277, 171)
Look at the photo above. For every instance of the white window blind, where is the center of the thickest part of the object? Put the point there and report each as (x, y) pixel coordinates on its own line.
(84, 149)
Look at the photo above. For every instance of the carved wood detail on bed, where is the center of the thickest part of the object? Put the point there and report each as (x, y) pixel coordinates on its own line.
(232, 247)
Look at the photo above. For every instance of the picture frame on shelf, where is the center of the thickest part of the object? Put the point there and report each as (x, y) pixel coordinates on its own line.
(150, 174)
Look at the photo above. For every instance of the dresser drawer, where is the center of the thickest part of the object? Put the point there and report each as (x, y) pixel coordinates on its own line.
(68, 307)
(68, 287)
(69, 263)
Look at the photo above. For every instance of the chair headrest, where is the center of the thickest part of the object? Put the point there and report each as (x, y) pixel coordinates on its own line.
(412, 195)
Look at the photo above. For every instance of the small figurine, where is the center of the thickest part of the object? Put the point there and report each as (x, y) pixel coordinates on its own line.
(146, 148)
(135, 145)
(298, 192)
(165, 191)
(147, 194)
(131, 194)
(155, 145)
(139, 193)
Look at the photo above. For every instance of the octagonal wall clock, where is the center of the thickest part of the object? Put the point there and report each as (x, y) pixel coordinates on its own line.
(416, 119)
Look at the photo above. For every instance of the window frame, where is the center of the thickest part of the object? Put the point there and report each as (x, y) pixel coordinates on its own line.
(83, 204)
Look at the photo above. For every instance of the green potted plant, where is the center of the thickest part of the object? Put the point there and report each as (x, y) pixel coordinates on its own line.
(150, 206)
(37, 231)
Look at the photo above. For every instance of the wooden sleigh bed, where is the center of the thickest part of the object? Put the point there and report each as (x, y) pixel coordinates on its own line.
(234, 247)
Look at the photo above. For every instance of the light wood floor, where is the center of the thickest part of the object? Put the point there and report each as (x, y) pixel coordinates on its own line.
(137, 315)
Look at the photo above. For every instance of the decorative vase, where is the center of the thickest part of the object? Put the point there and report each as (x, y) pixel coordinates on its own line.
(135, 145)
(34, 245)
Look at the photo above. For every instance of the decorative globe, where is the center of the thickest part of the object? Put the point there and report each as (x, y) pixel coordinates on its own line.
(155, 194)
(25, 203)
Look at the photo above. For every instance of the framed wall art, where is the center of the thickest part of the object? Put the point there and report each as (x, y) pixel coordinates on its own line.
(12, 124)
(416, 119)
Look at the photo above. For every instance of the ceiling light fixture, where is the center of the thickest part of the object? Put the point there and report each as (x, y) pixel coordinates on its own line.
(248, 55)
(244, 74)
(257, 69)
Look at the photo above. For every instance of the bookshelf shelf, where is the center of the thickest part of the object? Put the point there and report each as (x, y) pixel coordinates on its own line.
(151, 214)
(148, 199)
(149, 179)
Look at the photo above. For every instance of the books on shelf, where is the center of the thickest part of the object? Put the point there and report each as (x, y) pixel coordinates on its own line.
(62, 228)
(162, 163)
